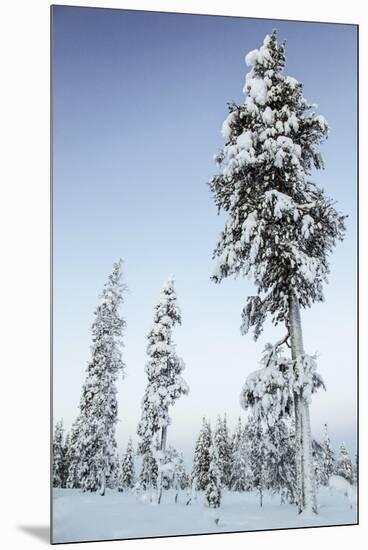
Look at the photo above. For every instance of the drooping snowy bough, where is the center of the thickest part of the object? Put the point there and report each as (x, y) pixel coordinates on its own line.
(281, 227)
(270, 391)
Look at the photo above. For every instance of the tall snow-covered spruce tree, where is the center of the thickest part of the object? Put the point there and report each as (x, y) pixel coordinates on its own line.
(72, 481)
(201, 458)
(95, 444)
(213, 482)
(239, 460)
(344, 466)
(329, 457)
(222, 443)
(165, 382)
(281, 227)
(127, 468)
(58, 456)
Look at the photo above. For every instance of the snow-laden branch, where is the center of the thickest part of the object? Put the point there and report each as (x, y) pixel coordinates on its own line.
(270, 391)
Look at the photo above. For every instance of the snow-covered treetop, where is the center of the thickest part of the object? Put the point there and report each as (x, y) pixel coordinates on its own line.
(281, 227)
(112, 294)
(167, 315)
(108, 324)
(343, 450)
(59, 431)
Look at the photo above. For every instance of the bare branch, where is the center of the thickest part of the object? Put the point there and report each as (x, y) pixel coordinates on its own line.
(277, 345)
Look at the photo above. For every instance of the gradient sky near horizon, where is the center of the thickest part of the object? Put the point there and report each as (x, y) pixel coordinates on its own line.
(138, 103)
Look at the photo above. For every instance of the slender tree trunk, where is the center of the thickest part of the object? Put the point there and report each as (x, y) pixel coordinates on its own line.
(163, 449)
(306, 498)
(150, 484)
(103, 483)
(163, 438)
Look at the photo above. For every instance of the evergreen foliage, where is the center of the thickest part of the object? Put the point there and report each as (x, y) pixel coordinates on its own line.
(328, 458)
(201, 459)
(213, 484)
(149, 471)
(96, 444)
(239, 471)
(127, 468)
(164, 367)
(223, 445)
(344, 465)
(318, 462)
(58, 456)
(73, 456)
(279, 467)
(257, 456)
(281, 226)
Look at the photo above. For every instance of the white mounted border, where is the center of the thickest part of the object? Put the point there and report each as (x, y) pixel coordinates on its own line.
(24, 318)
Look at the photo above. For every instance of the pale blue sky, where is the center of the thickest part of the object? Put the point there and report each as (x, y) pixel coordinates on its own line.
(139, 99)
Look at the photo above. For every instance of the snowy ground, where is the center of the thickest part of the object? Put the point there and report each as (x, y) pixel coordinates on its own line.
(80, 516)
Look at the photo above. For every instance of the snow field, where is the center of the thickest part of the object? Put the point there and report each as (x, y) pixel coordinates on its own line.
(81, 516)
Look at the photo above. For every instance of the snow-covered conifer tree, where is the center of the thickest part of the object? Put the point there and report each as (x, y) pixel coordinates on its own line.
(66, 460)
(127, 468)
(173, 474)
(270, 393)
(58, 455)
(279, 467)
(344, 465)
(213, 482)
(257, 456)
(239, 460)
(356, 469)
(223, 445)
(201, 459)
(247, 445)
(328, 458)
(149, 471)
(237, 435)
(167, 466)
(98, 405)
(73, 456)
(113, 478)
(318, 462)
(180, 480)
(164, 367)
(281, 226)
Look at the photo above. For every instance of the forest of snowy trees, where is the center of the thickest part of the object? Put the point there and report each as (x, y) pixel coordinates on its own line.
(280, 230)
(249, 458)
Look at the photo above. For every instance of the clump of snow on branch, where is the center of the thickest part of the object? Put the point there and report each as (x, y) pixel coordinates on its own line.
(256, 89)
(270, 390)
(261, 55)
